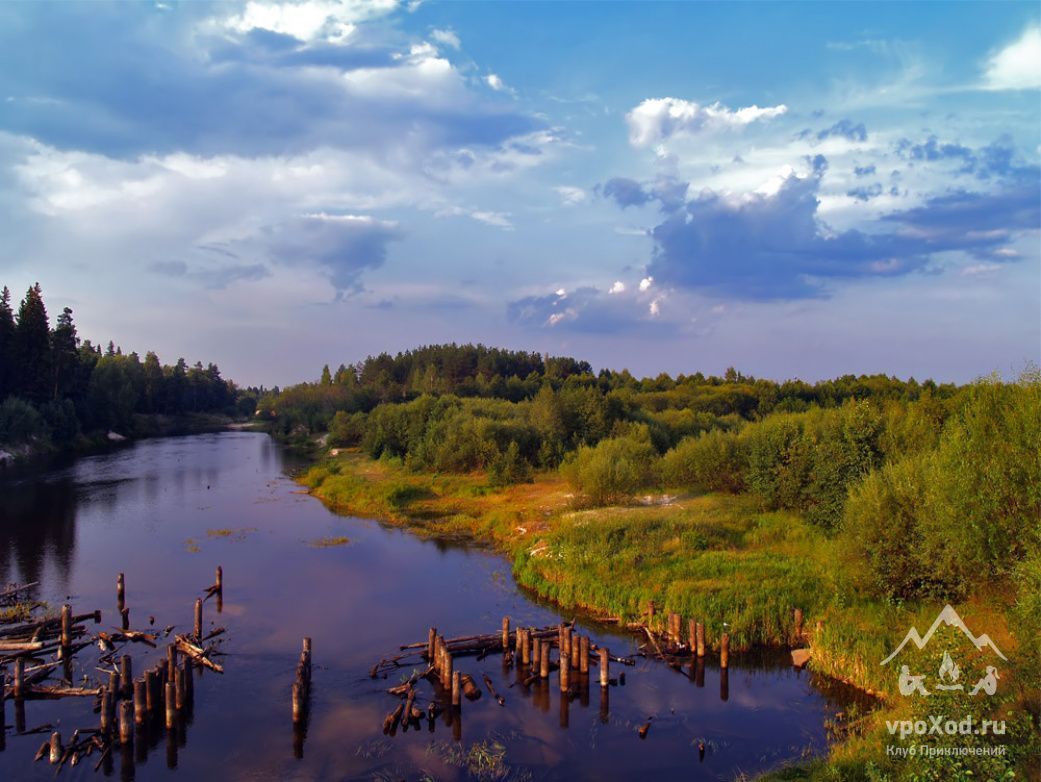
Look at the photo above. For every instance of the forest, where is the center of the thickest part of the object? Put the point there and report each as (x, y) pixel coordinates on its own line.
(57, 391)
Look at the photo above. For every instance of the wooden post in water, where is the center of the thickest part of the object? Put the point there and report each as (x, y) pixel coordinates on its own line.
(565, 673)
(576, 650)
(126, 676)
(218, 581)
(544, 661)
(126, 722)
(431, 644)
(179, 689)
(700, 632)
(798, 623)
(198, 619)
(114, 686)
(124, 614)
(692, 634)
(536, 653)
(605, 661)
(298, 702)
(140, 701)
(150, 698)
(66, 626)
(56, 748)
(457, 690)
(724, 651)
(18, 687)
(449, 665)
(583, 655)
(171, 705)
(106, 711)
(121, 591)
(506, 634)
(171, 662)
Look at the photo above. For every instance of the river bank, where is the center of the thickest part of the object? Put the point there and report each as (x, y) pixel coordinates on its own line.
(716, 558)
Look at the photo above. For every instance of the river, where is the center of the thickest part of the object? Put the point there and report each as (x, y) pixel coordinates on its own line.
(167, 511)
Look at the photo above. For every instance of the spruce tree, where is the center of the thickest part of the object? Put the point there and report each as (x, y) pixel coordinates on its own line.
(7, 358)
(65, 355)
(33, 347)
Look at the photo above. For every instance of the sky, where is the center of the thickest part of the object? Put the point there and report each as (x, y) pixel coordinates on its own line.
(793, 189)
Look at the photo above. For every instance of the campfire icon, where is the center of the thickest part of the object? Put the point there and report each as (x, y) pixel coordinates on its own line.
(949, 672)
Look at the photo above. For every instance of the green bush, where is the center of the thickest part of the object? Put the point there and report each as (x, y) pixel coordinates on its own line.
(20, 422)
(613, 470)
(714, 461)
(509, 467)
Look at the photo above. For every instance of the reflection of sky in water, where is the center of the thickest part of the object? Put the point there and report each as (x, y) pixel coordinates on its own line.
(136, 509)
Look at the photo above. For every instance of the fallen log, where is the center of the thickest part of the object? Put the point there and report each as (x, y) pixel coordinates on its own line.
(492, 692)
(197, 654)
(59, 691)
(14, 590)
(391, 720)
(470, 690)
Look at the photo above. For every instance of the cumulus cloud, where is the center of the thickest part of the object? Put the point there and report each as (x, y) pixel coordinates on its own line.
(343, 245)
(772, 244)
(1018, 65)
(570, 196)
(668, 191)
(591, 310)
(446, 38)
(309, 20)
(657, 119)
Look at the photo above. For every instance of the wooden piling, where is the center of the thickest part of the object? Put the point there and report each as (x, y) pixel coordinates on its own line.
(198, 619)
(565, 673)
(583, 655)
(457, 689)
(506, 634)
(692, 634)
(150, 690)
(180, 697)
(724, 651)
(66, 626)
(124, 614)
(605, 661)
(171, 662)
(576, 651)
(218, 580)
(140, 701)
(114, 686)
(126, 675)
(56, 748)
(171, 705)
(18, 687)
(431, 640)
(544, 660)
(121, 591)
(106, 711)
(536, 653)
(700, 632)
(126, 722)
(447, 681)
(298, 702)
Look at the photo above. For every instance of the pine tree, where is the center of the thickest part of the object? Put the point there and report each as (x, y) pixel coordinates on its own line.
(7, 358)
(64, 353)
(33, 347)
(327, 379)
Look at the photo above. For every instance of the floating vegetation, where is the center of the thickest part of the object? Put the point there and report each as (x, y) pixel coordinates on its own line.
(341, 540)
(192, 546)
(231, 534)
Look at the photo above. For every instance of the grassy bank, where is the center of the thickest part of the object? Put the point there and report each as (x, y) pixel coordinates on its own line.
(716, 557)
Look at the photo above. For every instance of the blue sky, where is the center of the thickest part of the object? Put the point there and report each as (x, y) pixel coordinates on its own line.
(797, 190)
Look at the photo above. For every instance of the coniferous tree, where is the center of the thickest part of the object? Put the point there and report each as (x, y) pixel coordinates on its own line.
(64, 353)
(33, 347)
(7, 352)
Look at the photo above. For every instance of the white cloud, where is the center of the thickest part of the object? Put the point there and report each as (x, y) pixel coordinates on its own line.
(309, 20)
(657, 119)
(1018, 65)
(618, 287)
(446, 38)
(646, 283)
(494, 81)
(497, 219)
(570, 196)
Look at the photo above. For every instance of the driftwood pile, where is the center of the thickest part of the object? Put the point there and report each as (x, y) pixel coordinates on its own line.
(534, 654)
(161, 697)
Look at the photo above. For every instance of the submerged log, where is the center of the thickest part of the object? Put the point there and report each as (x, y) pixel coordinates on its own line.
(470, 690)
(390, 722)
(492, 692)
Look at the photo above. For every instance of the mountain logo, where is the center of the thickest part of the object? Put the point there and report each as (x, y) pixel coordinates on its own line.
(949, 617)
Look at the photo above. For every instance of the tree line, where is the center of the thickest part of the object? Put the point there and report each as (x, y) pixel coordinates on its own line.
(928, 482)
(56, 389)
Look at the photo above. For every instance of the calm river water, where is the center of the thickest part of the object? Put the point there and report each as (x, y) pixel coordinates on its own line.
(166, 512)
